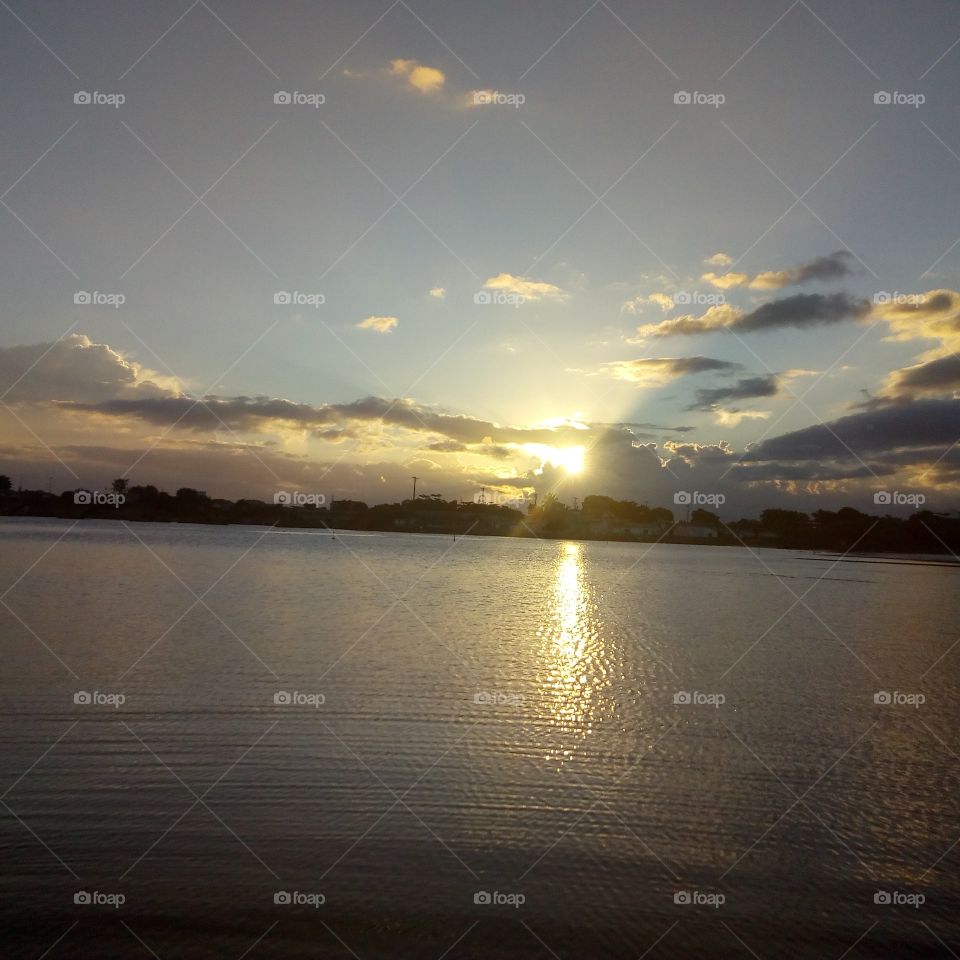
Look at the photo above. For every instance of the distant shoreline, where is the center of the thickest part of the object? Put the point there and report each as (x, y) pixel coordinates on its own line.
(918, 559)
(924, 535)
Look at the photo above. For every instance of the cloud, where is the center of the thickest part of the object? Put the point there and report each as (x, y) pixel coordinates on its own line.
(835, 266)
(634, 426)
(651, 371)
(716, 318)
(380, 324)
(663, 300)
(886, 429)
(801, 311)
(719, 260)
(438, 293)
(525, 287)
(934, 315)
(934, 378)
(448, 446)
(100, 411)
(745, 389)
(261, 414)
(75, 368)
(418, 75)
(726, 281)
(732, 418)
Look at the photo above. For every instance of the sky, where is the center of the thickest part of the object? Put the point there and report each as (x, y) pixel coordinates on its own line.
(633, 249)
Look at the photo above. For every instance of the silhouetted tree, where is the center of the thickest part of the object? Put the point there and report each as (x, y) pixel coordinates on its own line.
(704, 518)
(188, 495)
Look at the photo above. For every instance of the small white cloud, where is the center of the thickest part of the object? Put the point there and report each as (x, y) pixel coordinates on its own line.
(525, 287)
(380, 324)
(719, 260)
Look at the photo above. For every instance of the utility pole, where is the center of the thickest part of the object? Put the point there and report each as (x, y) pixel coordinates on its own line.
(415, 479)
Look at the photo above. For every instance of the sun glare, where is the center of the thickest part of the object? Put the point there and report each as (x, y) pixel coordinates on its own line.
(571, 459)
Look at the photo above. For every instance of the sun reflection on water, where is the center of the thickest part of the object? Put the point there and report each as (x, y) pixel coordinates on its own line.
(571, 671)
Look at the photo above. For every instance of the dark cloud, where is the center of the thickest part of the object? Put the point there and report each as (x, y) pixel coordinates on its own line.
(881, 430)
(835, 266)
(74, 368)
(934, 377)
(635, 426)
(799, 312)
(808, 471)
(680, 366)
(745, 389)
(803, 310)
(651, 371)
(258, 413)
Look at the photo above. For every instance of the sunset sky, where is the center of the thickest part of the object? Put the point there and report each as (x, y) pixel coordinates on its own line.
(499, 252)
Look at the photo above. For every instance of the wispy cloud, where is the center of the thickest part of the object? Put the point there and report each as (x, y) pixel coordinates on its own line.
(525, 287)
(651, 371)
(835, 266)
(798, 312)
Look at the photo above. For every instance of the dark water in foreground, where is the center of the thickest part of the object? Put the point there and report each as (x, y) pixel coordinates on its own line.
(498, 716)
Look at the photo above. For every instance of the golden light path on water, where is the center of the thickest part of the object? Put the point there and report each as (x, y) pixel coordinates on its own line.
(572, 671)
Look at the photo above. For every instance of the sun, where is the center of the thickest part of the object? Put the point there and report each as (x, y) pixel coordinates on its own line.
(570, 459)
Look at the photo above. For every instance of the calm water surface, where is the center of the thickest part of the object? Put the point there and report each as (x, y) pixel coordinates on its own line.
(497, 716)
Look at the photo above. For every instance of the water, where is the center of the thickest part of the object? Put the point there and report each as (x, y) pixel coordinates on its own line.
(575, 782)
